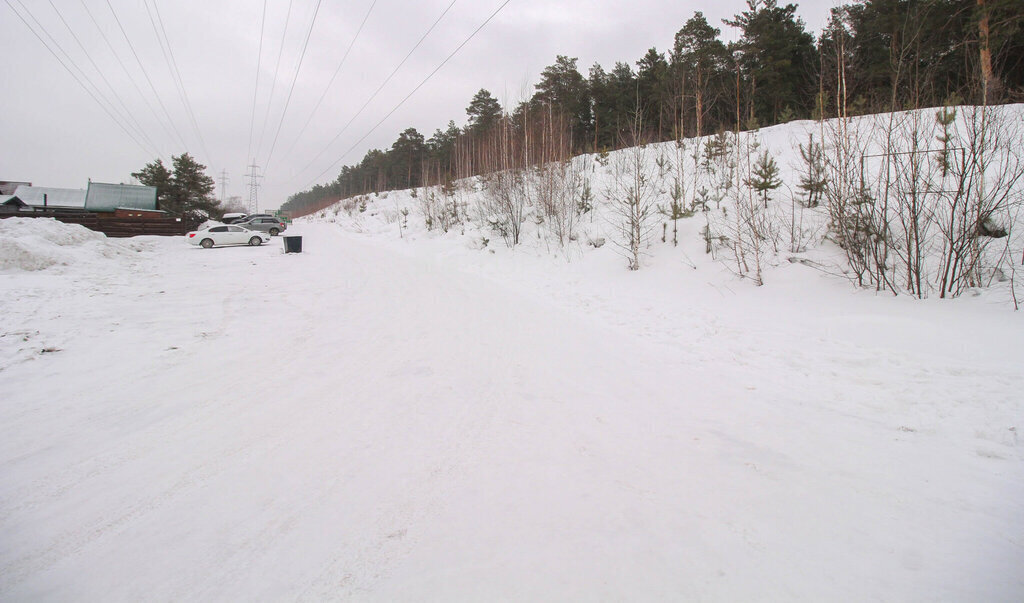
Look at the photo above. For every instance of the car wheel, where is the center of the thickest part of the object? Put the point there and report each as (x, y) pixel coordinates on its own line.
(274, 232)
(255, 241)
(207, 243)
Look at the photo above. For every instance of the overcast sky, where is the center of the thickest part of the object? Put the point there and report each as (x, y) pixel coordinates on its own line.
(55, 134)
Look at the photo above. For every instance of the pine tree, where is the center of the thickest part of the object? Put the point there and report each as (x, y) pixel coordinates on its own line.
(439, 149)
(652, 77)
(945, 118)
(156, 174)
(777, 58)
(765, 176)
(814, 180)
(406, 159)
(193, 189)
(701, 57)
(623, 85)
(186, 190)
(603, 112)
(564, 88)
(484, 111)
(675, 212)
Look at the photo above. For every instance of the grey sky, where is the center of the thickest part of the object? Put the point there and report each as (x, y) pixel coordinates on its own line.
(55, 134)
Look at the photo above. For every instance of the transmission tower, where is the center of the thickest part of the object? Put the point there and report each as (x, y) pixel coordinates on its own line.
(254, 187)
(223, 185)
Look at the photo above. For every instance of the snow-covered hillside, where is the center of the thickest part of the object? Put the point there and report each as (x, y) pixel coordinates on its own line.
(412, 414)
(916, 203)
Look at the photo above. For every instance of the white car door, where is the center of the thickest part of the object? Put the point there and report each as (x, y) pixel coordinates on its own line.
(238, 235)
(219, 235)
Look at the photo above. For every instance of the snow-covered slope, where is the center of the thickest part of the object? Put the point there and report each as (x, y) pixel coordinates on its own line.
(898, 157)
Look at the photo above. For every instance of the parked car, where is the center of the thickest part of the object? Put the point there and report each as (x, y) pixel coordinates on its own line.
(232, 218)
(226, 235)
(265, 223)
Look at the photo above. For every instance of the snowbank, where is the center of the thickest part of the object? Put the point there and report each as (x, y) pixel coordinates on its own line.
(29, 244)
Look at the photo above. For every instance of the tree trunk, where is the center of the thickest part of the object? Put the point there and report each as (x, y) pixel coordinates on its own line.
(700, 104)
(989, 82)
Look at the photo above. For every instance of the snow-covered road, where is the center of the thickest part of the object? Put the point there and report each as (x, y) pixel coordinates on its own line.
(359, 422)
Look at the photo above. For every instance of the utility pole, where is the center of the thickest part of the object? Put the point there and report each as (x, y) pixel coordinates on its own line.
(223, 185)
(254, 187)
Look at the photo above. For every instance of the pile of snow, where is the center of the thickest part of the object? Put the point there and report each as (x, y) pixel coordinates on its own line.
(29, 244)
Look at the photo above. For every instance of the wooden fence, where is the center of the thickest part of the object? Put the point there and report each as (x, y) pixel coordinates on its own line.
(112, 224)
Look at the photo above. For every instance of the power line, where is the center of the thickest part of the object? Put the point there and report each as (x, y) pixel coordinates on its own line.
(336, 71)
(146, 74)
(259, 58)
(298, 68)
(175, 73)
(72, 73)
(408, 96)
(135, 123)
(124, 68)
(86, 80)
(273, 82)
(377, 91)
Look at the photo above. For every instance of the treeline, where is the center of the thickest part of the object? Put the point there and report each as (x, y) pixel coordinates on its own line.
(873, 56)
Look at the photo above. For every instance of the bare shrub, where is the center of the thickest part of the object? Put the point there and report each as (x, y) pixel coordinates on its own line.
(980, 199)
(853, 215)
(504, 202)
(632, 196)
(921, 212)
(560, 191)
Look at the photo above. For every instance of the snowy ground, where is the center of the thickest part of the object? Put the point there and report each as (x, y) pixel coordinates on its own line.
(386, 419)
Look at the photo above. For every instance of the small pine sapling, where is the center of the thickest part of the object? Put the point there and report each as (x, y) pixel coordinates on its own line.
(945, 118)
(663, 165)
(813, 181)
(716, 148)
(586, 199)
(765, 177)
(717, 161)
(786, 115)
(703, 196)
(675, 212)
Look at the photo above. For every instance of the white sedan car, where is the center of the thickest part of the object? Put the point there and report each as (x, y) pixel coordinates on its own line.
(226, 234)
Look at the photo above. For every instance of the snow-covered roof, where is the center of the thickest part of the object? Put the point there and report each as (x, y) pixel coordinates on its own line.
(108, 197)
(155, 211)
(7, 187)
(55, 197)
(9, 202)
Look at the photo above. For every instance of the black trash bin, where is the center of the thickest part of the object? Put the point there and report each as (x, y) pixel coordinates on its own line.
(292, 244)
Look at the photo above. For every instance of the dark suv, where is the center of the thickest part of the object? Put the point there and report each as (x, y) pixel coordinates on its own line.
(265, 223)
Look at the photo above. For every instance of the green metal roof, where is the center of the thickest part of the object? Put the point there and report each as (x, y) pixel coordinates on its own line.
(108, 197)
